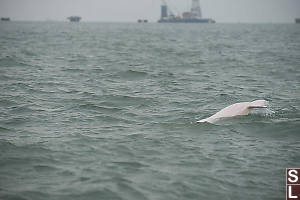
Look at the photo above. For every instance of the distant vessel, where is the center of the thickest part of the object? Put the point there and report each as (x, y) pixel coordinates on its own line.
(297, 20)
(6, 19)
(142, 21)
(74, 18)
(193, 16)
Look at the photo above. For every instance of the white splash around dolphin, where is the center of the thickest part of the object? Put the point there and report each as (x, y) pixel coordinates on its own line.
(234, 110)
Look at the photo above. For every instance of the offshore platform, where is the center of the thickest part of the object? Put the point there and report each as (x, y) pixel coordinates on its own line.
(192, 16)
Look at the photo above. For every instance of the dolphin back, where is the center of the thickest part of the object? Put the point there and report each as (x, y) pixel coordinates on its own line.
(258, 104)
(237, 109)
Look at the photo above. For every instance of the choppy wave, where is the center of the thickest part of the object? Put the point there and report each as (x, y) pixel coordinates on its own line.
(131, 75)
(109, 111)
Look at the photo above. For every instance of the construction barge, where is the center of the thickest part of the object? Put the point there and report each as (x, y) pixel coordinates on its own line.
(193, 16)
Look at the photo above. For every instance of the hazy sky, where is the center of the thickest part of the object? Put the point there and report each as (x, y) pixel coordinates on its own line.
(131, 10)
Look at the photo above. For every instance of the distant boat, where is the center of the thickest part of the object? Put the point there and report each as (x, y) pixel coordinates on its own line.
(74, 18)
(297, 20)
(6, 19)
(142, 21)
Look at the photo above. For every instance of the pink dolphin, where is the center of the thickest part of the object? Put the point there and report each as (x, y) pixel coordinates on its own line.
(237, 109)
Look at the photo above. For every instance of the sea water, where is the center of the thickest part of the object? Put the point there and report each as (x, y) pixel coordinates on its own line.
(109, 111)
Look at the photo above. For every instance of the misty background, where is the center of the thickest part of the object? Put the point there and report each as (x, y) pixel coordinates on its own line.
(253, 11)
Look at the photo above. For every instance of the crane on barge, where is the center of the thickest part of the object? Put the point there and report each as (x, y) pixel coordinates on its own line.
(192, 16)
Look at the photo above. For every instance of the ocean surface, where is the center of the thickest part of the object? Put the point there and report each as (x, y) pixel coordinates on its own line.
(109, 111)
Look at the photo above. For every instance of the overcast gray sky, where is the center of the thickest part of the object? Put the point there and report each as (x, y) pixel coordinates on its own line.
(130, 10)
